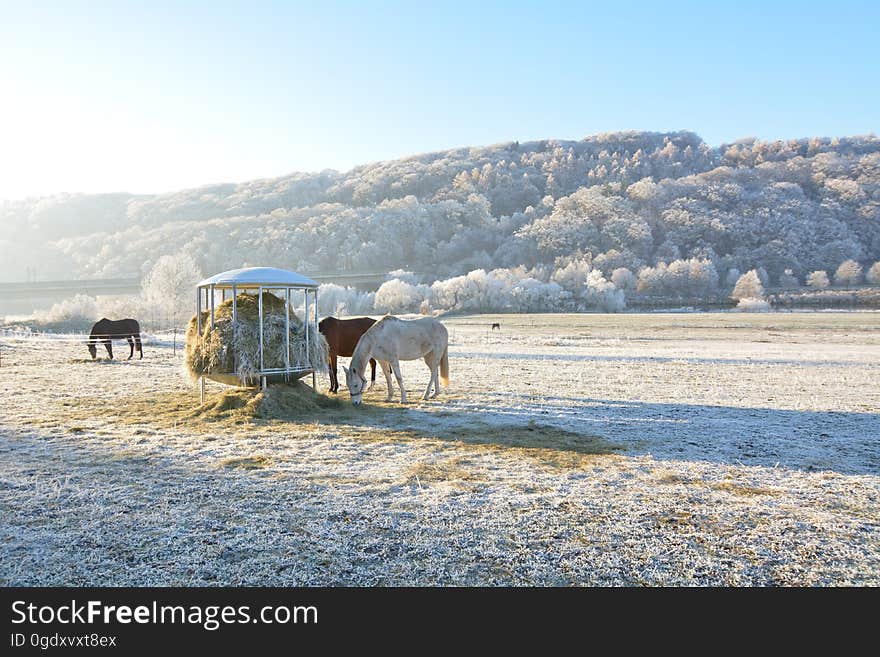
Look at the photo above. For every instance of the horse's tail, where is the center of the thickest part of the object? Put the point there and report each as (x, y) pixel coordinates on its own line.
(444, 367)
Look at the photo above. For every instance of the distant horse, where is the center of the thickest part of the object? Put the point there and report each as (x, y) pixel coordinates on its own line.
(391, 340)
(105, 330)
(342, 336)
(496, 325)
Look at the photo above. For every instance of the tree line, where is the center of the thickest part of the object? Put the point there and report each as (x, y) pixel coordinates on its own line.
(635, 213)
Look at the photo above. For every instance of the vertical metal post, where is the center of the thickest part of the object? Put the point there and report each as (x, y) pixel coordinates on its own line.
(199, 326)
(317, 337)
(306, 322)
(316, 313)
(212, 306)
(234, 319)
(260, 307)
(287, 331)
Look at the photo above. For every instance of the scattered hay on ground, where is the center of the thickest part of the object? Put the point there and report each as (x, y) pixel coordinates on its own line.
(290, 402)
(744, 490)
(256, 462)
(548, 445)
(451, 470)
(293, 401)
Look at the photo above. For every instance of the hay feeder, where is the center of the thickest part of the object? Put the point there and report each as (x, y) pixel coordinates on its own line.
(285, 286)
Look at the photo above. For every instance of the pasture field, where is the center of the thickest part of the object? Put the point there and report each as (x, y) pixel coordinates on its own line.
(654, 449)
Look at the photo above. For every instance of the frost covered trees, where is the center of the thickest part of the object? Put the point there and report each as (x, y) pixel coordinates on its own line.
(623, 279)
(398, 296)
(749, 293)
(818, 280)
(588, 288)
(684, 278)
(848, 273)
(748, 287)
(651, 203)
(76, 312)
(169, 287)
(873, 275)
(340, 301)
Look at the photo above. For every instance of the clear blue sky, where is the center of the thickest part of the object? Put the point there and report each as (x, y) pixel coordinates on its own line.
(156, 96)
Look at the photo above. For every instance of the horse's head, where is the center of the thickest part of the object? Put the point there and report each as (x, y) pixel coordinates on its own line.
(93, 350)
(324, 325)
(356, 384)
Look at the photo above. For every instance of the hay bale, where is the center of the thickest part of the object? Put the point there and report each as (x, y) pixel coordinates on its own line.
(233, 353)
(294, 401)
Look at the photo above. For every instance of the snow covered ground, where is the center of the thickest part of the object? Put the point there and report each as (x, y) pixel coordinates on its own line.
(675, 449)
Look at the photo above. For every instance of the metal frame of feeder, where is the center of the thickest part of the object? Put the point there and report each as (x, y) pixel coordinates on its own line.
(308, 288)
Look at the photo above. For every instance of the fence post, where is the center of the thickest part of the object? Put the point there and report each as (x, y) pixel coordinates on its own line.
(175, 342)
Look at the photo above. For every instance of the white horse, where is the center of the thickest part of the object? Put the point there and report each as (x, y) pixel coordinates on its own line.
(391, 340)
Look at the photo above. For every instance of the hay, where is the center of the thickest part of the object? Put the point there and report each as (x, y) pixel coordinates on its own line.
(289, 402)
(293, 401)
(228, 350)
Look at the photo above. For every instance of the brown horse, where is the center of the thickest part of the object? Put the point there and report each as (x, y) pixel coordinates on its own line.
(342, 336)
(105, 330)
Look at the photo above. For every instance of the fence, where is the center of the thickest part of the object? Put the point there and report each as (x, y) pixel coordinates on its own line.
(172, 337)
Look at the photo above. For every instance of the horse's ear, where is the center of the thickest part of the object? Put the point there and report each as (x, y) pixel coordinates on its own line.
(345, 369)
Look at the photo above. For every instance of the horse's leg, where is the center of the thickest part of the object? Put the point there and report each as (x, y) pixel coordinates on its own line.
(395, 366)
(373, 375)
(435, 373)
(139, 344)
(108, 344)
(432, 365)
(334, 381)
(130, 342)
(386, 370)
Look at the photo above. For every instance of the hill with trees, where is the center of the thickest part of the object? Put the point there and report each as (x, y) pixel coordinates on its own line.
(591, 222)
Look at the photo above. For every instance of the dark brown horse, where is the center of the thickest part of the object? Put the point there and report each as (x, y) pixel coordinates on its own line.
(106, 330)
(342, 337)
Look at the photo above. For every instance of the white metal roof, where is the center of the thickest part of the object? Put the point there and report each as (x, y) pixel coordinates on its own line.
(251, 277)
